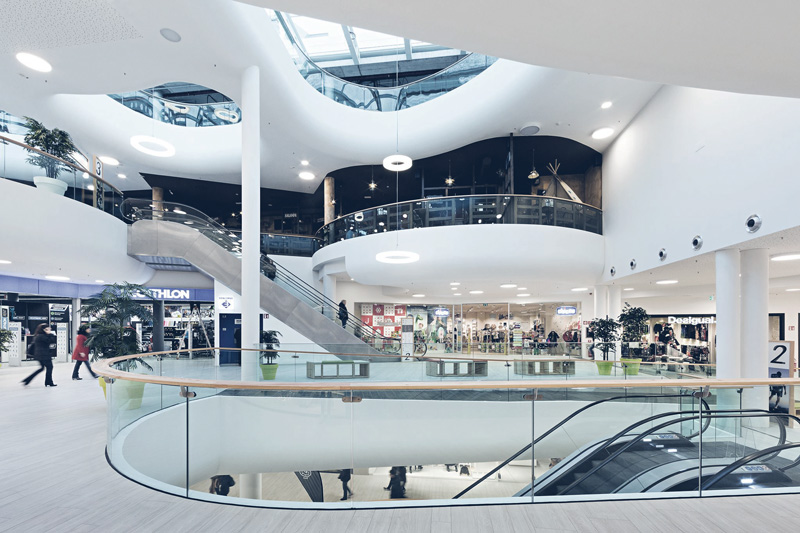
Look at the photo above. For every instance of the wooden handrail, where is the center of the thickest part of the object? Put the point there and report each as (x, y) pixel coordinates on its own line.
(103, 367)
(62, 161)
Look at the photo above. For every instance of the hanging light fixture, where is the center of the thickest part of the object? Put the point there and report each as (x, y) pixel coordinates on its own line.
(397, 162)
(534, 175)
(449, 181)
(372, 184)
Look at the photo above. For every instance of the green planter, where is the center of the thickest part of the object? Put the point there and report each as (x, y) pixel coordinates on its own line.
(127, 394)
(268, 372)
(631, 366)
(604, 367)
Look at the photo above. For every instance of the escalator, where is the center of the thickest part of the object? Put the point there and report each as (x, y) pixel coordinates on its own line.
(170, 230)
(665, 452)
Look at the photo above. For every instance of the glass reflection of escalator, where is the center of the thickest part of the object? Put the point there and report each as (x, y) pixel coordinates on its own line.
(137, 209)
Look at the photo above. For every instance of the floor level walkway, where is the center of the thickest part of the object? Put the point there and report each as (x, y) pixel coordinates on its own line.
(55, 478)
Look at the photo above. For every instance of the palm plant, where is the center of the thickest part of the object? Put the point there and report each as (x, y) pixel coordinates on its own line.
(605, 329)
(114, 308)
(55, 142)
(270, 341)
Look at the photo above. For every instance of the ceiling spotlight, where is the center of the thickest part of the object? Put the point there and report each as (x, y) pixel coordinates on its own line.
(522, 288)
(170, 35)
(34, 62)
(476, 292)
(508, 286)
(579, 289)
(453, 288)
(785, 257)
(603, 133)
(57, 278)
(455, 283)
(397, 257)
(306, 175)
(99, 281)
(606, 105)
(523, 295)
(418, 296)
(107, 160)
(456, 294)
(304, 163)
(158, 148)
(397, 162)
(667, 282)
(628, 289)
(121, 176)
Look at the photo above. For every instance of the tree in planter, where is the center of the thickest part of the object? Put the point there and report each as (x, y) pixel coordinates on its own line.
(55, 142)
(606, 331)
(634, 323)
(6, 337)
(271, 342)
(112, 335)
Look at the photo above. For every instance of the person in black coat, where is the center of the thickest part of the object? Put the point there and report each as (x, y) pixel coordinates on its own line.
(43, 350)
(344, 476)
(343, 312)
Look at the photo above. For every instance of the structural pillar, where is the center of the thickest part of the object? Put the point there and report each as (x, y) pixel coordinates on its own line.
(76, 318)
(158, 325)
(754, 336)
(158, 201)
(728, 270)
(587, 314)
(329, 199)
(250, 484)
(614, 310)
(600, 301)
(329, 289)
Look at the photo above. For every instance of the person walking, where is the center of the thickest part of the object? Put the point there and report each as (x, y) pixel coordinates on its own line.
(343, 312)
(44, 346)
(81, 352)
(344, 476)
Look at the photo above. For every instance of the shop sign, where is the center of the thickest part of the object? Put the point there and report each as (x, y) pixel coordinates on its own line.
(225, 303)
(691, 320)
(290, 215)
(441, 311)
(567, 310)
(160, 293)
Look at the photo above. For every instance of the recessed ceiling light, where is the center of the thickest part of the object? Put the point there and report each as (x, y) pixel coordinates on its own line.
(121, 176)
(476, 292)
(606, 105)
(667, 282)
(522, 288)
(792, 290)
(579, 289)
(170, 35)
(508, 286)
(304, 163)
(5, 262)
(785, 257)
(57, 278)
(603, 133)
(306, 175)
(397, 257)
(108, 160)
(453, 288)
(455, 283)
(99, 281)
(158, 148)
(418, 296)
(456, 294)
(34, 62)
(628, 289)
(523, 295)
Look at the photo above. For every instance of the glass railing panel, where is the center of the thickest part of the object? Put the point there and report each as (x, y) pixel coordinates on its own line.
(414, 457)
(177, 113)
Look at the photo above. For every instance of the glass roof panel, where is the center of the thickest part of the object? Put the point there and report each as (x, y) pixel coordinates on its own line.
(320, 38)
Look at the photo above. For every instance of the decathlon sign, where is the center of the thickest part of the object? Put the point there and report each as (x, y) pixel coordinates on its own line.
(187, 295)
(567, 310)
(692, 320)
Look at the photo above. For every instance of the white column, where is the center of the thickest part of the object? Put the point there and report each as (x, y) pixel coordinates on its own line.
(76, 322)
(600, 301)
(755, 324)
(728, 314)
(329, 289)
(587, 314)
(614, 309)
(250, 484)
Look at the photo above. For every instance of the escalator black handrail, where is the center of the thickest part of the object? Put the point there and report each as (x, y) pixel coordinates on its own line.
(733, 413)
(567, 419)
(775, 450)
(288, 277)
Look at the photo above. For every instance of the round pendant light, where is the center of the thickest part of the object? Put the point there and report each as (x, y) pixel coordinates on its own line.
(397, 162)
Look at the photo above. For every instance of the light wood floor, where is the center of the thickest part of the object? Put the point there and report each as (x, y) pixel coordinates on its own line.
(54, 477)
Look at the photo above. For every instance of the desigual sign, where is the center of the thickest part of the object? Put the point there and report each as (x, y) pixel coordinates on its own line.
(692, 320)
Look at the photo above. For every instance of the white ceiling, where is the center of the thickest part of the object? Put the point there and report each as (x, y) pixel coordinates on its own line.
(730, 45)
(298, 123)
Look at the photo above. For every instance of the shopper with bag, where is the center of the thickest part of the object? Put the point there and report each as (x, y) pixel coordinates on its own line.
(81, 352)
(44, 347)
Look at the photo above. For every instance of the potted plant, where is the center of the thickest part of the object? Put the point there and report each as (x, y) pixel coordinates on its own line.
(269, 341)
(6, 337)
(605, 331)
(112, 335)
(634, 325)
(55, 142)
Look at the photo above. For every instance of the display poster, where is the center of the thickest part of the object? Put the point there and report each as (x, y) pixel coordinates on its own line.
(388, 310)
(377, 309)
(781, 366)
(399, 310)
(388, 331)
(366, 310)
(517, 339)
(367, 320)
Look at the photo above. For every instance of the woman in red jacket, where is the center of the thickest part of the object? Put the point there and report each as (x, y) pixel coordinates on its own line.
(81, 352)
